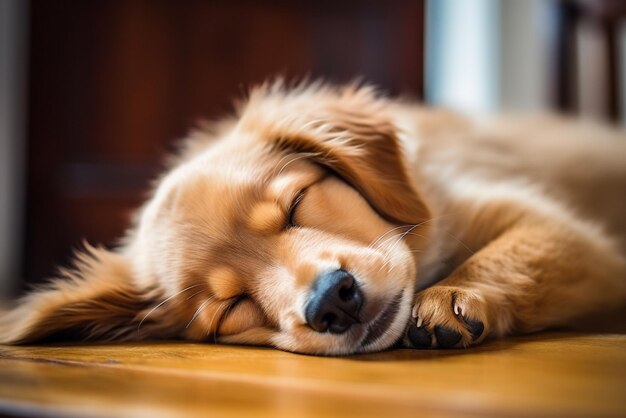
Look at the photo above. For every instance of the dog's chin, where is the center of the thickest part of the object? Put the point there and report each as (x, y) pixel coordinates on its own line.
(389, 325)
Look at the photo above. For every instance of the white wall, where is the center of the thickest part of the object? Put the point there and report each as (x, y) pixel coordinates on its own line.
(460, 41)
(12, 106)
(486, 55)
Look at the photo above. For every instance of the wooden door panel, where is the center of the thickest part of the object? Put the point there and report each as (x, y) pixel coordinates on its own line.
(112, 84)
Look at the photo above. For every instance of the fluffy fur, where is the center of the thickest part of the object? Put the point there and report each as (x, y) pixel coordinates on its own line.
(472, 228)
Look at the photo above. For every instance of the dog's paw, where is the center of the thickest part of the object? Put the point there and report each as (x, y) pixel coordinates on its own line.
(446, 317)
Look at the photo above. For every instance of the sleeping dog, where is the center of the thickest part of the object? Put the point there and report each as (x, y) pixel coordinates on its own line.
(329, 220)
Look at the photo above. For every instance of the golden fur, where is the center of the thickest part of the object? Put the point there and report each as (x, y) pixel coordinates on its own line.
(468, 228)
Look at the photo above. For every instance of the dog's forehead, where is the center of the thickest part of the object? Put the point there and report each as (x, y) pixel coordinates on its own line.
(221, 187)
(191, 223)
(214, 193)
(218, 208)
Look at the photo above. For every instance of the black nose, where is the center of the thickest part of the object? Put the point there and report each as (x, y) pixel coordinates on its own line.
(335, 302)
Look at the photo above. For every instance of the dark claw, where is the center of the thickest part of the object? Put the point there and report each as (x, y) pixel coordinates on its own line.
(419, 337)
(475, 328)
(446, 337)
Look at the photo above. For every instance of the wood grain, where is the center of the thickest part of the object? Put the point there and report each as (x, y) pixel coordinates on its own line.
(557, 374)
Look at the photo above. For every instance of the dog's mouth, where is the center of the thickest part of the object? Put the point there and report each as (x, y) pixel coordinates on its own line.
(381, 324)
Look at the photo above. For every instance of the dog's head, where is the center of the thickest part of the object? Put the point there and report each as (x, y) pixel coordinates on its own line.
(297, 227)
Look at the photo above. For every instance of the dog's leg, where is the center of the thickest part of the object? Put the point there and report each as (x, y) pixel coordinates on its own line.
(536, 274)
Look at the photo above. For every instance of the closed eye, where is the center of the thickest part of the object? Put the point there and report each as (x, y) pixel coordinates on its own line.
(293, 207)
(243, 314)
(232, 305)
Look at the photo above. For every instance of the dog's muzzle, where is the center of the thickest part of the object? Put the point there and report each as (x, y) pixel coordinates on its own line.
(335, 302)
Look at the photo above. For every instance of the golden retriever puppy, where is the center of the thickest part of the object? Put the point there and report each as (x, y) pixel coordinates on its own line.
(332, 221)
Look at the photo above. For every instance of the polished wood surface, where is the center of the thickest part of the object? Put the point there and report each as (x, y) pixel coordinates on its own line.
(555, 374)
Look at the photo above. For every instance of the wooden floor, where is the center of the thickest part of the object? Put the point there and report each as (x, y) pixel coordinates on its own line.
(555, 374)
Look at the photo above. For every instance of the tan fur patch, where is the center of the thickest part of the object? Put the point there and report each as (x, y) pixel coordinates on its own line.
(266, 218)
(224, 282)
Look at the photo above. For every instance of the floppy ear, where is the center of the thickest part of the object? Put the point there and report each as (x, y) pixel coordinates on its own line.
(347, 131)
(96, 300)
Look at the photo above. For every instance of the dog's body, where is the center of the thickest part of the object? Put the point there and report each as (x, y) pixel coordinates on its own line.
(310, 220)
(530, 213)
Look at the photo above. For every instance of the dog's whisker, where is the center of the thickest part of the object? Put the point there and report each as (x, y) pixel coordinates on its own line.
(436, 218)
(410, 232)
(200, 309)
(195, 294)
(445, 231)
(387, 261)
(460, 242)
(164, 302)
(410, 226)
(381, 236)
(396, 243)
(208, 329)
(386, 256)
(373, 243)
(388, 247)
(224, 315)
(399, 237)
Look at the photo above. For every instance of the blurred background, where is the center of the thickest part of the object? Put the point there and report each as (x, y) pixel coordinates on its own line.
(93, 94)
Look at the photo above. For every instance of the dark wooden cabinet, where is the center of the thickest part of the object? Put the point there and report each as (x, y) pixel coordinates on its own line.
(112, 85)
